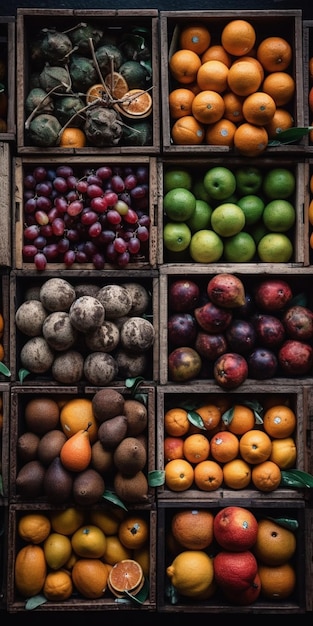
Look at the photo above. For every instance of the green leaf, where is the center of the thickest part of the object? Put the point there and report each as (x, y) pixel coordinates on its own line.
(35, 601)
(172, 594)
(196, 419)
(156, 478)
(112, 497)
(254, 405)
(290, 524)
(22, 373)
(4, 370)
(290, 136)
(133, 383)
(142, 595)
(300, 299)
(296, 478)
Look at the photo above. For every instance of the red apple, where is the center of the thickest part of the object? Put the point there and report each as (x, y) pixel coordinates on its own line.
(240, 336)
(235, 571)
(184, 295)
(298, 322)
(226, 290)
(235, 528)
(210, 345)
(272, 294)
(295, 358)
(184, 364)
(262, 364)
(269, 329)
(182, 329)
(212, 318)
(230, 370)
(246, 597)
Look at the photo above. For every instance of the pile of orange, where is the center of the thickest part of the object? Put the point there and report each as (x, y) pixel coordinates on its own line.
(236, 453)
(236, 92)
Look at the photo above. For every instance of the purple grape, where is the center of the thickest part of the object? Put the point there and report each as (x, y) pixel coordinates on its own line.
(29, 251)
(31, 232)
(40, 261)
(69, 258)
(60, 184)
(133, 245)
(39, 173)
(64, 171)
(58, 226)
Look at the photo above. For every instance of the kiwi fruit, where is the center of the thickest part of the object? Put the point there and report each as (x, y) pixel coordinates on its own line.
(130, 456)
(107, 403)
(30, 480)
(137, 417)
(27, 447)
(131, 488)
(101, 458)
(50, 446)
(111, 432)
(41, 415)
(58, 482)
(88, 487)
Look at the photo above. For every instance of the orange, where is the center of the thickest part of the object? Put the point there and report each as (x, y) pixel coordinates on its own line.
(67, 521)
(259, 108)
(277, 583)
(96, 92)
(136, 103)
(255, 446)
(108, 519)
(195, 37)
(250, 59)
(184, 65)
(281, 120)
(224, 446)
(89, 541)
(250, 140)
(173, 448)
(179, 475)
(180, 101)
(125, 575)
(311, 190)
(176, 423)
(281, 86)
(116, 84)
(311, 68)
(284, 452)
(208, 475)
(233, 107)
(266, 476)
(133, 531)
(193, 528)
(142, 556)
(274, 544)
(75, 415)
(213, 75)
(311, 241)
(275, 54)
(240, 419)
(90, 577)
(279, 421)
(72, 138)
(244, 78)
(238, 37)
(34, 527)
(237, 474)
(216, 53)
(115, 551)
(187, 130)
(211, 415)
(58, 586)
(196, 448)
(1, 325)
(208, 106)
(221, 133)
(310, 215)
(30, 570)
(1, 352)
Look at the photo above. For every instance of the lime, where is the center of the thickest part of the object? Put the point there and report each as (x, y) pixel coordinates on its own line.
(179, 204)
(201, 217)
(199, 190)
(275, 248)
(252, 207)
(280, 182)
(248, 179)
(206, 246)
(219, 182)
(279, 216)
(258, 231)
(177, 178)
(227, 219)
(240, 248)
(176, 236)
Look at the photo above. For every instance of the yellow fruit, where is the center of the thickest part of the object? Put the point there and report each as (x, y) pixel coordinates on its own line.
(275, 248)
(206, 246)
(75, 415)
(191, 573)
(30, 570)
(284, 452)
(57, 550)
(275, 545)
(108, 521)
(115, 551)
(67, 521)
(227, 219)
(34, 527)
(89, 541)
(58, 586)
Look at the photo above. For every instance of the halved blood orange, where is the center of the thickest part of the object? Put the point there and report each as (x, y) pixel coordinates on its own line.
(126, 575)
(136, 103)
(116, 84)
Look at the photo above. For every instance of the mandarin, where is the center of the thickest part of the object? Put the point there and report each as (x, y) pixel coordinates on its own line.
(216, 53)
(184, 65)
(193, 528)
(208, 475)
(221, 133)
(250, 140)
(176, 422)
(179, 475)
(266, 476)
(237, 474)
(281, 86)
(277, 582)
(233, 107)
(244, 78)
(208, 106)
(259, 108)
(238, 37)
(180, 102)
(34, 527)
(212, 75)
(274, 53)
(72, 138)
(187, 130)
(279, 421)
(254, 61)
(274, 544)
(195, 37)
(196, 448)
(281, 120)
(58, 586)
(255, 446)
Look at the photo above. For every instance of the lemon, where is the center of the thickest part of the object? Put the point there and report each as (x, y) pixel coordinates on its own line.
(240, 248)
(177, 178)
(275, 248)
(279, 216)
(191, 573)
(227, 219)
(280, 182)
(201, 217)
(206, 246)
(252, 207)
(179, 204)
(67, 521)
(176, 236)
(57, 549)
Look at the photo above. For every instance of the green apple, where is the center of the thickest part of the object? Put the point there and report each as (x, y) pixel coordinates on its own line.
(219, 182)
(248, 179)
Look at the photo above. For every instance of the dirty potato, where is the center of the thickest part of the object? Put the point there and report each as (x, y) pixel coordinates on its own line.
(30, 317)
(57, 294)
(86, 313)
(58, 331)
(104, 339)
(36, 355)
(137, 334)
(100, 368)
(116, 301)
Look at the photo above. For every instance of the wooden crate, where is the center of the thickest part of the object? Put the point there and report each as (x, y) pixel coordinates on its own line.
(269, 394)
(5, 311)
(17, 604)
(8, 55)
(298, 603)
(5, 205)
(5, 441)
(307, 83)
(4, 517)
(148, 253)
(197, 167)
(298, 279)
(114, 23)
(21, 395)
(287, 24)
(20, 283)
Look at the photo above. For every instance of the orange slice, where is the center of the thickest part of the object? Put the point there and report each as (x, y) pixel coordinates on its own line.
(125, 575)
(117, 85)
(137, 103)
(95, 92)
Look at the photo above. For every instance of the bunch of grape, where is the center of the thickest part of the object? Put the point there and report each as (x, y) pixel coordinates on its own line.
(98, 216)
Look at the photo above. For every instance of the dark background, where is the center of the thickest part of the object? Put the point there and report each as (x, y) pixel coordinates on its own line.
(8, 8)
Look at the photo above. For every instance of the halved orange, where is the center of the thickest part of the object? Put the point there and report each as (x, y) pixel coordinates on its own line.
(95, 92)
(116, 84)
(137, 103)
(126, 575)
